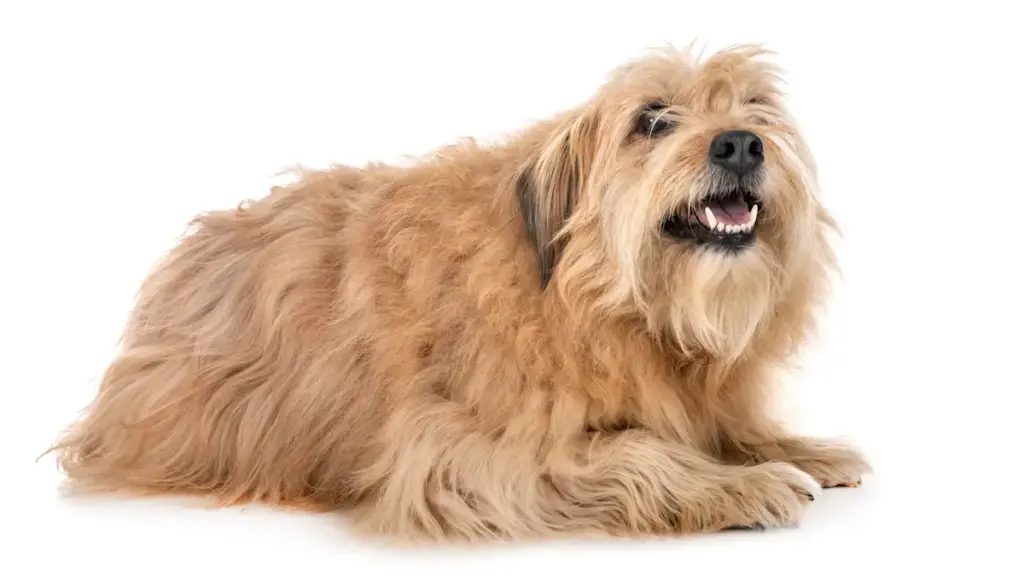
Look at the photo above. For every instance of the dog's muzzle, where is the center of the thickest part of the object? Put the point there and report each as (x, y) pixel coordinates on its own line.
(727, 217)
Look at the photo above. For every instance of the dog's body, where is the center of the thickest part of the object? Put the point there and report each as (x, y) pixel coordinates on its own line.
(509, 341)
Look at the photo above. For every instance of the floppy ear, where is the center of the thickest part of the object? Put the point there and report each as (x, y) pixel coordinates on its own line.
(549, 187)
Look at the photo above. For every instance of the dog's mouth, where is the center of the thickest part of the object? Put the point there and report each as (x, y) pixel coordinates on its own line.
(724, 219)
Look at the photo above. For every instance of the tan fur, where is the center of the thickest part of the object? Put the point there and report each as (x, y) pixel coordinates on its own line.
(385, 338)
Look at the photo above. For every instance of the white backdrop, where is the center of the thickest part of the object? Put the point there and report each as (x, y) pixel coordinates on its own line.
(120, 121)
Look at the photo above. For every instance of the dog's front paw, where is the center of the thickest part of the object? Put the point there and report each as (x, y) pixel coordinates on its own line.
(771, 495)
(831, 463)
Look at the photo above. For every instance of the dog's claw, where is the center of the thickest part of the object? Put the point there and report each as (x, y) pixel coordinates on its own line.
(755, 527)
(853, 485)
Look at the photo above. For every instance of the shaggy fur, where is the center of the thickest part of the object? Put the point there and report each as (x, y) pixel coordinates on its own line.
(498, 342)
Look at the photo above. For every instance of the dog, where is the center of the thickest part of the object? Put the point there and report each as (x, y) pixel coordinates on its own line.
(573, 331)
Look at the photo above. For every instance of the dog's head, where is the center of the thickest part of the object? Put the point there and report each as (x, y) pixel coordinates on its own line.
(681, 195)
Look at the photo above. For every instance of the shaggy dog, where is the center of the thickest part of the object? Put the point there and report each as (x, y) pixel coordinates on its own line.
(575, 331)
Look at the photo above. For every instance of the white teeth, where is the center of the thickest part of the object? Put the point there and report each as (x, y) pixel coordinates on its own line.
(715, 225)
(749, 225)
(712, 221)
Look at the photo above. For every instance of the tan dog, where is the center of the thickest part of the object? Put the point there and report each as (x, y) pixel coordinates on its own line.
(572, 332)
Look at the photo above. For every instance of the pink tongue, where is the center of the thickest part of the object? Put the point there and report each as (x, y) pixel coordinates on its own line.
(732, 211)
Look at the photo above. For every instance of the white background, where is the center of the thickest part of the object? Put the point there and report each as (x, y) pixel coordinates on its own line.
(118, 123)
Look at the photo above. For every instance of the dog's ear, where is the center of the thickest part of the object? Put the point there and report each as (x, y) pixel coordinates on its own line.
(549, 187)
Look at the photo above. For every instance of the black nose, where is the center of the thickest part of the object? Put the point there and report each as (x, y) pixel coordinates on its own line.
(739, 151)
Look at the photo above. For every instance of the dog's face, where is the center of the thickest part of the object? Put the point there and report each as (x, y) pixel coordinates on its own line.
(681, 194)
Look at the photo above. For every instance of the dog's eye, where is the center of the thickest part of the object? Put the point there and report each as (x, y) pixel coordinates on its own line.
(653, 121)
(757, 100)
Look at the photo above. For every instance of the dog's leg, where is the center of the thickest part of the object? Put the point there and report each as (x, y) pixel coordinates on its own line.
(443, 480)
(749, 434)
(832, 463)
(655, 486)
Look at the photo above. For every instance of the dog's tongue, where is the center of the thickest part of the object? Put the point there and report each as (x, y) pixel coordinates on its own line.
(731, 211)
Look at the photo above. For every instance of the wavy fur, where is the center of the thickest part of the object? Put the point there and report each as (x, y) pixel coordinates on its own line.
(495, 343)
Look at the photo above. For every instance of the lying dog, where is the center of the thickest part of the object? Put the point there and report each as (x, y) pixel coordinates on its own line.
(574, 331)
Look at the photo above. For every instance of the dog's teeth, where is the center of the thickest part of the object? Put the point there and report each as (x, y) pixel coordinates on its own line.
(731, 229)
(721, 227)
(712, 221)
(753, 214)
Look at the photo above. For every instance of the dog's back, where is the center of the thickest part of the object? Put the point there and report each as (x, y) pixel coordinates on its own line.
(297, 310)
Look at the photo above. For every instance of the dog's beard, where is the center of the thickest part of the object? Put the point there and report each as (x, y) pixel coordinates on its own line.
(703, 298)
(716, 301)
